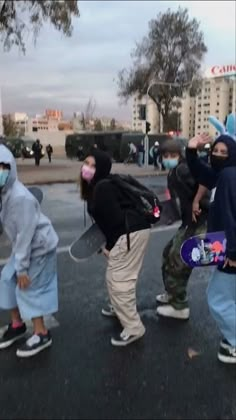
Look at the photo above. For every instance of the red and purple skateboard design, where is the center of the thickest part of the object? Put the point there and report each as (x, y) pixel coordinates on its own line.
(204, 250)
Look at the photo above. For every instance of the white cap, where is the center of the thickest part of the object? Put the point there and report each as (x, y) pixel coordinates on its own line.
(156, 143)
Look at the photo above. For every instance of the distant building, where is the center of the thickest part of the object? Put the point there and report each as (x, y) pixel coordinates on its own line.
(21, 121)
(78, 122)
(65, 125)
(152, 115)
(217, 97)
(42, 124)
(51, 114)
(188, 116)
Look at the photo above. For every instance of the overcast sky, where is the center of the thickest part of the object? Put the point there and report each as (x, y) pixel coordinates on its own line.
(64, 73)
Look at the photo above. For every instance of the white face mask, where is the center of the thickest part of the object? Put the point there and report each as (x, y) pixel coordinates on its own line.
(4, 173)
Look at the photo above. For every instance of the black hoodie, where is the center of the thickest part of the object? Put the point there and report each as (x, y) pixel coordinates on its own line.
(183, 186)
(105, 204)
(222, 215)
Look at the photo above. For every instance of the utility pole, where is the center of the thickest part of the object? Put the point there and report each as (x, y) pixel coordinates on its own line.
(147, 124)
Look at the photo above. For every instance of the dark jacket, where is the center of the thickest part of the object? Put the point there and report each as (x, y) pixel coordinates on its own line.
(182, 185)
(140, 148)
(37, 148)
(156, 151)
(49, 149)
(106, 204)
(222, 215)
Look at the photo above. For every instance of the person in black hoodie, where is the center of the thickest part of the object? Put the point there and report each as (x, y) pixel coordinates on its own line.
(221, 175)
(104, 204)
(175, 273)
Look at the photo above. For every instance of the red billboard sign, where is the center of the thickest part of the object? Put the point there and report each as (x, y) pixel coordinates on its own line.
(221, 71)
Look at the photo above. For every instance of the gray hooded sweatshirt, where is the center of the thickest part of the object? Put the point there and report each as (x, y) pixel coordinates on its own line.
(30, 232)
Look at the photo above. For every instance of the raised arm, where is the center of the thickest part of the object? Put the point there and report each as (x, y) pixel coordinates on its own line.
(200, 170)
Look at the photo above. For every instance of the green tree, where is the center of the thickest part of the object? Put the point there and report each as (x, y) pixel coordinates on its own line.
(171, 52)
(98, 125)
(22, 17)
(9, 126)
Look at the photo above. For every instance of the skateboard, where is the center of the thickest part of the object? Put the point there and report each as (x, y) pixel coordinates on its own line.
(89, 243)
(204, 250)
(37, 193)
(93, 239)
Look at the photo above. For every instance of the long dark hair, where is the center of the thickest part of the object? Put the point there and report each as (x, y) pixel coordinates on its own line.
(86, 189)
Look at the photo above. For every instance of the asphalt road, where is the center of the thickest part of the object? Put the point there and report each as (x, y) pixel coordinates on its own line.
(83, 377)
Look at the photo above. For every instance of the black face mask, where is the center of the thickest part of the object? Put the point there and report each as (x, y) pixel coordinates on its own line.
(218, 162)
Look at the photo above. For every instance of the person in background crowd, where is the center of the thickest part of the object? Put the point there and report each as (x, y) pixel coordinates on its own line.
(156, 154)
(140, 149)
(37, 149)
(49, 151)
(132, 153)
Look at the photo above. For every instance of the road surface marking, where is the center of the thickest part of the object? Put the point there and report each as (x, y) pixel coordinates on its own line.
(65, 249)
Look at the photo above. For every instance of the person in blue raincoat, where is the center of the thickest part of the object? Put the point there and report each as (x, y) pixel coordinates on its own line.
(28, 282)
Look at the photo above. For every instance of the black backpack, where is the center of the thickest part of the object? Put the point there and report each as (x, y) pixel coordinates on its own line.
(138, 197)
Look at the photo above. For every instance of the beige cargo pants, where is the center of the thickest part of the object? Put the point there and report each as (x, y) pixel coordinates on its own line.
(122, 274)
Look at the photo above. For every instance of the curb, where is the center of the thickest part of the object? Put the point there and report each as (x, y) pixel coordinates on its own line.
(74, 180)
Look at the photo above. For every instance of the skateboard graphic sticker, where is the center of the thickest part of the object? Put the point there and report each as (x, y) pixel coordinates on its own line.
(204, 250)
(88, 244)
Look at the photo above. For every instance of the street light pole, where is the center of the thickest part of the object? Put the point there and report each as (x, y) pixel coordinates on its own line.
(146, 138)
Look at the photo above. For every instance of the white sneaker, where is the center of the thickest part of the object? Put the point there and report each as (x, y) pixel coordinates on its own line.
(109, 311)
(163, 297)
(169, 311)
(124, 339)
(224, 344)
(227, 354)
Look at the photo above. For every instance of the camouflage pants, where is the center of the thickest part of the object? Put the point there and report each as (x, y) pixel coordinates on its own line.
(175, 273)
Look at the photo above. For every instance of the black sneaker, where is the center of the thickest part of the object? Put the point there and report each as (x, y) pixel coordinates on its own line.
(34, 344)
(11, 335)
(125, 339)
(227, 353)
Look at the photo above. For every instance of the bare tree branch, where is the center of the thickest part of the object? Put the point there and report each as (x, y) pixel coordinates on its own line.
(171, 52)
(17, 18)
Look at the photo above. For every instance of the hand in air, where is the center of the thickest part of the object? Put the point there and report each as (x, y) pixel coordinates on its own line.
(199, 141)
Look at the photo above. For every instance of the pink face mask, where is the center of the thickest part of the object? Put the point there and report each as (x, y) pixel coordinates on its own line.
(87, 173)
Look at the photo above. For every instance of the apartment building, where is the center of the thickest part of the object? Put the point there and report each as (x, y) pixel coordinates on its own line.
(21, 121)
(41, 124)
(54, 114)
(217, 97)
(152, 115)
(187, 116)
